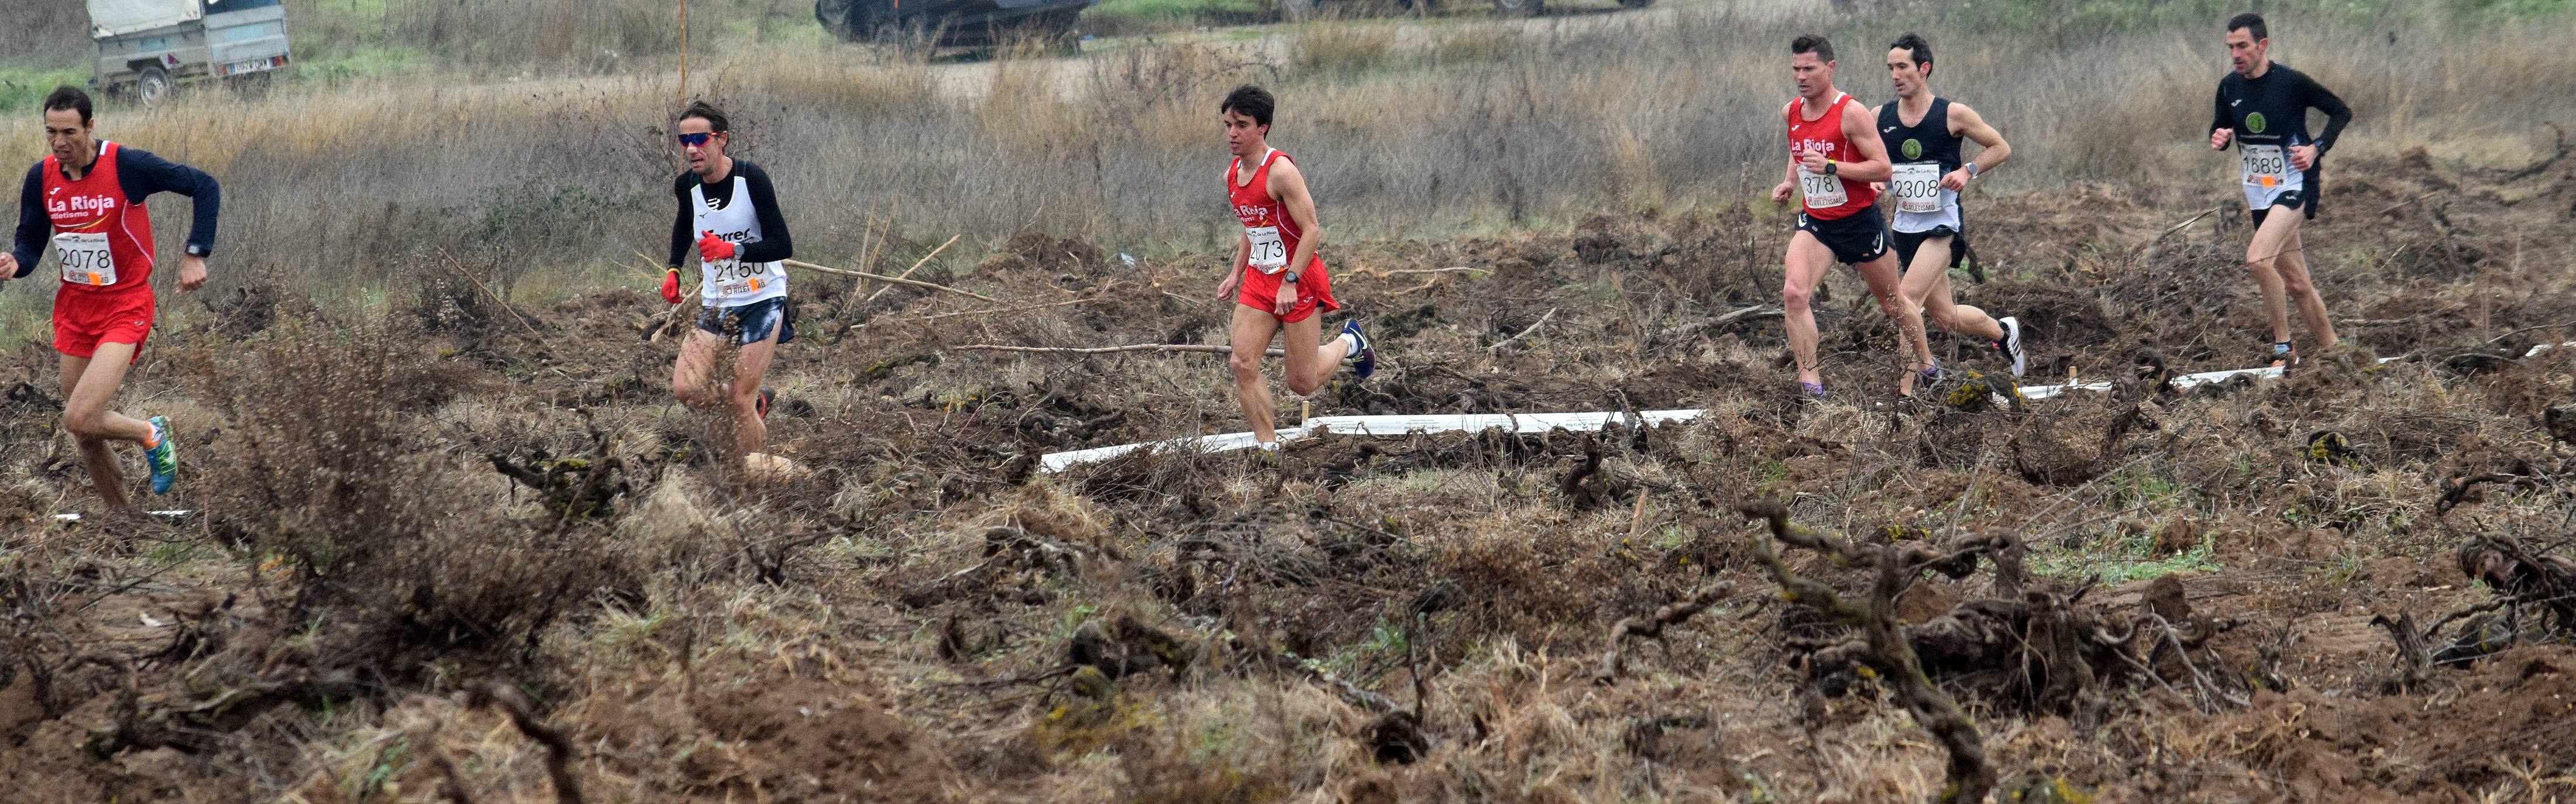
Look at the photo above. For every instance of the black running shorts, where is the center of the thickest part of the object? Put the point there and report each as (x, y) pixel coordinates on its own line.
(1909, 242)
(1855, 239)
(2300, 199)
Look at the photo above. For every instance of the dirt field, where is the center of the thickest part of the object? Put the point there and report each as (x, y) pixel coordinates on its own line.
(421, 525)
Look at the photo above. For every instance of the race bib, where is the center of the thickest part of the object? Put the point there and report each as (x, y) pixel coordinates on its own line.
(1269, 254)
(1821, 191)
(85, 258)
(735, 277)
(2265, 165)
(1917, 187)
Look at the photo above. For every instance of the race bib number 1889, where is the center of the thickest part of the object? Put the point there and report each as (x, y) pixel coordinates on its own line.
(85, 258)
(1917, 187)
(2266, 165)
(1269, 254)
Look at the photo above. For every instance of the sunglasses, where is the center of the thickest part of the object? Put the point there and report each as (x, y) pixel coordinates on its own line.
(696, 140)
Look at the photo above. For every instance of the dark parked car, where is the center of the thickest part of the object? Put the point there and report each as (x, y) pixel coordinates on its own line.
(949, 23)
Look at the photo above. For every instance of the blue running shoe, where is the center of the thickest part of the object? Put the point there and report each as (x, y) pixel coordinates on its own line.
(1363, 360)
(163, 455)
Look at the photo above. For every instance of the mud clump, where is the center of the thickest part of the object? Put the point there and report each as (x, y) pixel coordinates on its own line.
(2053, 316)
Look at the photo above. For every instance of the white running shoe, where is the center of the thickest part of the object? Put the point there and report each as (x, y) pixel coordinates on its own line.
(2011, 344)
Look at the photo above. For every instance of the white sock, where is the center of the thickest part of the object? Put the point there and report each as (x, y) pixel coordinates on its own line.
(1269, 446)
(1350, 346)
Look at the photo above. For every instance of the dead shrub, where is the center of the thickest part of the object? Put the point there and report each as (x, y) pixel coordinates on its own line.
(381, 530)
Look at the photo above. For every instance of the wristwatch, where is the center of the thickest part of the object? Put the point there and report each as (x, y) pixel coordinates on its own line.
(195, 250)
(1972, 170)
(1829, 167)
(1290, 278)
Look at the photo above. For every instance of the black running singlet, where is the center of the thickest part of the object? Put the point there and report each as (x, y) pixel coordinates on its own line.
(1922, 153)
(1929, 140)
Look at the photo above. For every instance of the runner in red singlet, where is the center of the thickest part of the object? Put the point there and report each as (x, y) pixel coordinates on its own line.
(87, 199)
(1276, 280)
(1834, 155)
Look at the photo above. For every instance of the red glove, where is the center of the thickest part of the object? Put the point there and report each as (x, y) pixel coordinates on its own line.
(712, 248)
(671, 286)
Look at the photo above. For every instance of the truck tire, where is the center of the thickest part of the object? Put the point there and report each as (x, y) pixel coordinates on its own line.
(1519, 8)
(152, 86)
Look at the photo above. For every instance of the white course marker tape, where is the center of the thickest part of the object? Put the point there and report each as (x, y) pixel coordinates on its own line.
(76, 517)
(1542, 422)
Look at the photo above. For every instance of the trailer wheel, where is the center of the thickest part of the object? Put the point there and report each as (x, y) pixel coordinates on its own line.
(152, 85)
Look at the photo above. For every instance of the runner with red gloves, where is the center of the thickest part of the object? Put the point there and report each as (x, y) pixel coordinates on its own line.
(1279, 277)
(88, 198)
(729, 216)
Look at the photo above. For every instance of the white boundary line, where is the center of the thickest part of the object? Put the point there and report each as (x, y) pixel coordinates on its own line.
(1542, 422)
(76, 517)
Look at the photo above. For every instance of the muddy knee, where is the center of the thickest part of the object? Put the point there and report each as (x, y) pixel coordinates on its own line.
(2295, 285)
(86, 426)
(1794, 299)
(1247, 367)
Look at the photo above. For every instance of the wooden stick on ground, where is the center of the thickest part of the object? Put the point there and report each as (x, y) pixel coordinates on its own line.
(883, 278)
(1731, 316)
(1542, 321)
(478, 285)
(1102, 350)
(907, 273)
(1404, 271)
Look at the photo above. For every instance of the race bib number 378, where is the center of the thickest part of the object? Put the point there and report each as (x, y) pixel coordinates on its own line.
(1821, 191)
(85, 258)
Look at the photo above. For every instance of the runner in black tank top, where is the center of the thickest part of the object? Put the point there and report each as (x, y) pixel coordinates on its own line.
(2263, 109)
(1929, 235)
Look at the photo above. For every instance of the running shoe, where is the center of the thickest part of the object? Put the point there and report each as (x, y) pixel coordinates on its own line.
(2011, 344)
(2283, 355)
(1815, 391)
(761, 405)
(1363, 360)
(163, 455)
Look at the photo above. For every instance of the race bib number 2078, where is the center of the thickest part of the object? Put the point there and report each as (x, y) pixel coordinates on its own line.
(85, 258)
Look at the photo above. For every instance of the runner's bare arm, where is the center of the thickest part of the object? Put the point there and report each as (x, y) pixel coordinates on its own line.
(1789, 178)
(1234, 272)
(1872, 164)
(1289, 186)
(1966, 122)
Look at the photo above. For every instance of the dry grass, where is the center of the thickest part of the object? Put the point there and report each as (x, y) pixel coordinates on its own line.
(1405, 131)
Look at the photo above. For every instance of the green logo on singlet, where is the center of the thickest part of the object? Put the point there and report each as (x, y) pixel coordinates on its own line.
(1913, 149)
(2254, 123)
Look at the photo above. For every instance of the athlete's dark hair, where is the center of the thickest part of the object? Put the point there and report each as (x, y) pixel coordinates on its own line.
(2251, 23)
(715, 117)
(1812, 43)
(1249, 101)
(1921, 50)
(69, 98)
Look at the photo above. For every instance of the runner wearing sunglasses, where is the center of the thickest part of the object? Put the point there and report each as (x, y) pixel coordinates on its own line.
(87, 198)
(728, 215)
